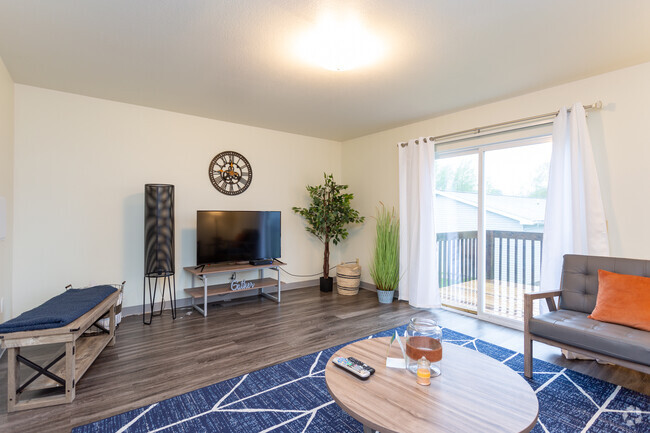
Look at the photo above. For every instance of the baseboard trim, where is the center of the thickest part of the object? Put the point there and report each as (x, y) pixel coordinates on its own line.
(135, 310)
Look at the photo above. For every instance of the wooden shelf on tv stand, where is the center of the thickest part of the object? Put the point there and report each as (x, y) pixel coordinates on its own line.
(202, 273)
(222, 289)
(230, 267)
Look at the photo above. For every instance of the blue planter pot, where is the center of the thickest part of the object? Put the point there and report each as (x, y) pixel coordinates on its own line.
(385, 296)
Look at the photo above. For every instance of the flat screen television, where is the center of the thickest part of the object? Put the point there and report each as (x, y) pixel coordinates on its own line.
(230, 236)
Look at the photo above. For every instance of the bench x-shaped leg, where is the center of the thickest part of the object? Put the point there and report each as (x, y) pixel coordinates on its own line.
(14, 359)
(40, 371)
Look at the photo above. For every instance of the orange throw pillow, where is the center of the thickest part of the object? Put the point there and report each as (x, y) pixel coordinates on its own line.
(623, 299)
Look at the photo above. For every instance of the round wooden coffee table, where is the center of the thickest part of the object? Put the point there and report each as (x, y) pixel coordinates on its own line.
(473, 393)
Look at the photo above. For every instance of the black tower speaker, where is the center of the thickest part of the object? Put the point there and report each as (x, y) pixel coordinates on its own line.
(159, 244)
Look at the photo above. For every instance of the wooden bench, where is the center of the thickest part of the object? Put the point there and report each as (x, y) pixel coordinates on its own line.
(66, 369)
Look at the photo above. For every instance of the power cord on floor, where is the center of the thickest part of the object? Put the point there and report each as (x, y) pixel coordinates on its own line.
(312, 275)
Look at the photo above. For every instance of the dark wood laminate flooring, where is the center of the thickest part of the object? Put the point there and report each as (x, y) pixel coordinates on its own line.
(151, 363)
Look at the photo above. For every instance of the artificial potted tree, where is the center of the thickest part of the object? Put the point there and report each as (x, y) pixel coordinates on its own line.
(327, 216)
(384, 268)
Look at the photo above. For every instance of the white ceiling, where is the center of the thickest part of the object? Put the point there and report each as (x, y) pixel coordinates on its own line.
(233, 60)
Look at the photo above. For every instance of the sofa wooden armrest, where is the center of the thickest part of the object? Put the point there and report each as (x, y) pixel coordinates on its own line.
(548, 295)
(542, 295)
(529, 297)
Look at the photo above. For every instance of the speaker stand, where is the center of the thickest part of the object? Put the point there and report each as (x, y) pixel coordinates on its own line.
(168, 280)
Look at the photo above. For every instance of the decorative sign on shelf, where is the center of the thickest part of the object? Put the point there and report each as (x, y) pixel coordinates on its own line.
(241, 285)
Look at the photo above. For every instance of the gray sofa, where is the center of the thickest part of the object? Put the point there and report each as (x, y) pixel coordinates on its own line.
(569, 328)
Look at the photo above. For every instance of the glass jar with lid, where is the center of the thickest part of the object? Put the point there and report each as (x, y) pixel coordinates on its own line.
(424, 339)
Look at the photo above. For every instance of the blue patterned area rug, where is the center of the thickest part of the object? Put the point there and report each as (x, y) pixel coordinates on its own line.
(292, 397)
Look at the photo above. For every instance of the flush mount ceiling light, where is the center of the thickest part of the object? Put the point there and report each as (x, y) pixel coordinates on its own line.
(339, 44)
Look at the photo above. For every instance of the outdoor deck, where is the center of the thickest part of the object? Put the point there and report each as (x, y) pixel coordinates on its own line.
(512, 266)
(502, 298)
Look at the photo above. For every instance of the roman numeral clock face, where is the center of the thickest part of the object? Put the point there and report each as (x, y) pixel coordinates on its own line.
(230, 173)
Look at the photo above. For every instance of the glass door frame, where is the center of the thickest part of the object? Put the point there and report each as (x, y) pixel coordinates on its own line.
(480, 266)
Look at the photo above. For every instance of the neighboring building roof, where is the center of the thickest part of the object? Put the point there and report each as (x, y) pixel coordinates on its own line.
(526, 210)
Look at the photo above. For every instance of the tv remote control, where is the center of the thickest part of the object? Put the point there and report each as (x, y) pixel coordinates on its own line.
(363, 364)
(351, 367)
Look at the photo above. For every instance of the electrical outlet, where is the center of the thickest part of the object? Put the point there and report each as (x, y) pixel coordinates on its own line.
(2, 305)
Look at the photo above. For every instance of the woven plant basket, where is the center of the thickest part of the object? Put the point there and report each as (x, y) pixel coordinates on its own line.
(348, 277)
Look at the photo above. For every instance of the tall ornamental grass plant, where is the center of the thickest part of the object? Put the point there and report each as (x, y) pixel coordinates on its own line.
(384, 269)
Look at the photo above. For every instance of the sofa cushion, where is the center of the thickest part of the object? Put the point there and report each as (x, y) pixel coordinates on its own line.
(623, 299)
(574, 328)
(580, 278)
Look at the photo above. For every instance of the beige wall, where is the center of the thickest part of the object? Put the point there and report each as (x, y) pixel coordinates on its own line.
(619, 134)
(81, 165)
(80, 169)
(6, 184)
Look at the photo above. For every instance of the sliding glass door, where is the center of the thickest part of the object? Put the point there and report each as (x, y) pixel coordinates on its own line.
(456, 220)
(489, 212)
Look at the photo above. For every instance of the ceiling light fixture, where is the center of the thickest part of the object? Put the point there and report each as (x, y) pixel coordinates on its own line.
(339, 44)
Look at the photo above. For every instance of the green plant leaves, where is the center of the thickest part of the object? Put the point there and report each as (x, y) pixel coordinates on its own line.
(329, 212)
(384, 268)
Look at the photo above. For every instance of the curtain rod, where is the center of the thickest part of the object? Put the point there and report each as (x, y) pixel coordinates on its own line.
(595, 106)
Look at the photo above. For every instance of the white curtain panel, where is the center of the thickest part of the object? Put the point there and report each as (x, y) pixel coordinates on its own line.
(418, 253)
(575, 219)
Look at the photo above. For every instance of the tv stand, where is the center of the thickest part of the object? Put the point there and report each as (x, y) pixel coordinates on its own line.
(202, 273)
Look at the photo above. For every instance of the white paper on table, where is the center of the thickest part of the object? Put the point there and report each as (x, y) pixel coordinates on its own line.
(395, 363)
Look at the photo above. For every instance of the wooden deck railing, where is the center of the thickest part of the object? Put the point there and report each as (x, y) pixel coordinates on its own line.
(513, 256)
(457, 257)
(513, 259)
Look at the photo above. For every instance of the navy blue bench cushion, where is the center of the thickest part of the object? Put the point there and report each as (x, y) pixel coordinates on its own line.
(58, 311)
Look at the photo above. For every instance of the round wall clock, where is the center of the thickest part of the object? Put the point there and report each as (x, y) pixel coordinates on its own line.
(230, 173)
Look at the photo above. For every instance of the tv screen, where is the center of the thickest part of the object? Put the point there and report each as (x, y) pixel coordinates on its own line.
(228, 236)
